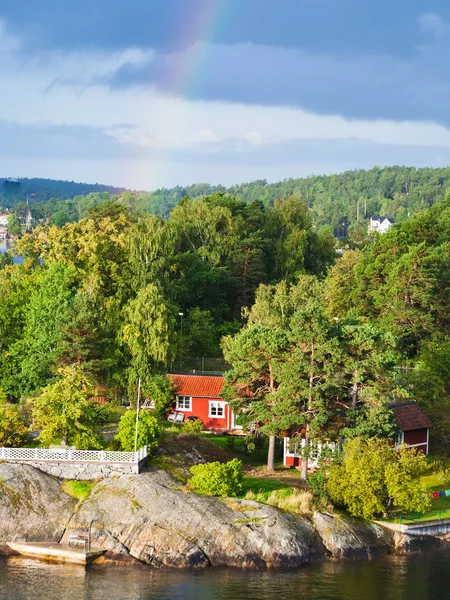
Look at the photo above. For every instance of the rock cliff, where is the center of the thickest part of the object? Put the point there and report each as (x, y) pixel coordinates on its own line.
(32, 505)
(149, 518)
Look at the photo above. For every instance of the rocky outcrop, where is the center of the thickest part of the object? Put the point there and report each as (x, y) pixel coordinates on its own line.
(150, 519)
(350, 538)
(413, 544)
(32, 505)
(146, 517)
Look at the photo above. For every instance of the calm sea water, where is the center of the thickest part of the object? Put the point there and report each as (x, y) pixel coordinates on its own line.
(6, 245)
(420, 577)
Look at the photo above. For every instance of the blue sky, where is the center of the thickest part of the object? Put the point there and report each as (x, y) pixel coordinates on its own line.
(155, 93)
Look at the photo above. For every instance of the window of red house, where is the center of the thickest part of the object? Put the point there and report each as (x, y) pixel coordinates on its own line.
(217, 409)
(184, 403)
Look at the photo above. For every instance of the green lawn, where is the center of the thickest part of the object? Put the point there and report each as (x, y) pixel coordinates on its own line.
(440, 507)
(235, 445)
(263, 487)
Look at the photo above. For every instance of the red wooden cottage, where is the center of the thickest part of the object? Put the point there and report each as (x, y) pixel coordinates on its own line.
(414, 425)
(199, 396)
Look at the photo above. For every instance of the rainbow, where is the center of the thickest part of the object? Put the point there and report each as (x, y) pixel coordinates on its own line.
(185, 72)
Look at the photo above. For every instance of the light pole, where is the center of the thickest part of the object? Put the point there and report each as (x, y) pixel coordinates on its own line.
(137, 415)
(181, 315)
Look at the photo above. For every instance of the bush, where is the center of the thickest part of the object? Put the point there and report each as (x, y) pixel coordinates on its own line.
(13, 432)
(148, 431)
(374, 477)
(162, 391)
(317, 482)
(218, 479)
(194, 426)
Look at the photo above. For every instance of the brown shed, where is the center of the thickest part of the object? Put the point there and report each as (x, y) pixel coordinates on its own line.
(413, 423)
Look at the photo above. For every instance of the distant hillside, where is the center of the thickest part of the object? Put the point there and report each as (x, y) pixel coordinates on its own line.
(349, 197)
(13, 191)
(393, 191)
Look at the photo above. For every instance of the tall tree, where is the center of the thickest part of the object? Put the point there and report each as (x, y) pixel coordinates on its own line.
(64, 411)
(252, 386)
(147, 331)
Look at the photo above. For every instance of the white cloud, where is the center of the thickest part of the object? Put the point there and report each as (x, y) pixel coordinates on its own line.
(59, 89)
(433, 24)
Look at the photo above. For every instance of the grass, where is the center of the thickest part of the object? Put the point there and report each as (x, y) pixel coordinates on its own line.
(77, 489)
(435, 480)
(277, 494)
(235, 445)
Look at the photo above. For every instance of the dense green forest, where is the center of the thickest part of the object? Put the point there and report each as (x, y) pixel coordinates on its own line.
(321, 342)
(106, 291)
(353, 195)
(34, 190)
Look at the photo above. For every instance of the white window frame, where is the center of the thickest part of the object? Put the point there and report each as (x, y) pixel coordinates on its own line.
(218, 405)
(183, 408)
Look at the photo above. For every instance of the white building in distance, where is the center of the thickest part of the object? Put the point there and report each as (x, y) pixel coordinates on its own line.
(379, 224)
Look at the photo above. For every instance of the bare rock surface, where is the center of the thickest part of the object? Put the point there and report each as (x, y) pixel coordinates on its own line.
(32, 505)
(149, 518)
(348, 538)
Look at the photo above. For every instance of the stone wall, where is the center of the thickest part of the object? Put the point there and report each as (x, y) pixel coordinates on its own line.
(84, 471)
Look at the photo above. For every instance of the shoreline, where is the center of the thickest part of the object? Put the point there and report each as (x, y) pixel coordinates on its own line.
(148, 519)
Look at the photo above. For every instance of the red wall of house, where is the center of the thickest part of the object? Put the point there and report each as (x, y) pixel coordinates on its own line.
(200, 409)
(292, 461)
(417, 436)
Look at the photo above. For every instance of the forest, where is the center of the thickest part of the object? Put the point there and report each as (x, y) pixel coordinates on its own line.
(121, 295)
(105, 292)
(351, 197)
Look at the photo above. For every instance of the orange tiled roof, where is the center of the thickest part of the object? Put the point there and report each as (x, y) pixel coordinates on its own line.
(202, 386)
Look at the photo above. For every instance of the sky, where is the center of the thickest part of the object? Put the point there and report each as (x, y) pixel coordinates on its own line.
(153, 93)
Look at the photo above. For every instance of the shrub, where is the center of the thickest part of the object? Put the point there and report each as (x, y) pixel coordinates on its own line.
(230, 443)
(162, 391)
(373, 477)
(218, 479)
(12, 429)
(317, 482)
(148, 431)
(194, 426)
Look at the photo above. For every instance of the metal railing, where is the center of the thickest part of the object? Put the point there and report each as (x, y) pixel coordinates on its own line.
(70, 455)
(200, 365)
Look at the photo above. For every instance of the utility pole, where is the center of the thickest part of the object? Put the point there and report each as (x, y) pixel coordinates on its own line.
(137, 415)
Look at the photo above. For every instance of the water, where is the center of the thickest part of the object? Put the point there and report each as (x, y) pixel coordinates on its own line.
(5, 245)
(420, 577)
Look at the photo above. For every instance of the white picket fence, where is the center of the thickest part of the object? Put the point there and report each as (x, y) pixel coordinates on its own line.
(68, 455)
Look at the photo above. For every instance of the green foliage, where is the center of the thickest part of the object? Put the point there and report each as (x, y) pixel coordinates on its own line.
(374, 477)
(81, 490)
(148, 431)
(64, 411)
(317, 482)
(13, 432)
(147, 330)
(14, 227)
(218, 479)
(195, 426)
(161, 390)
(36, 349)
